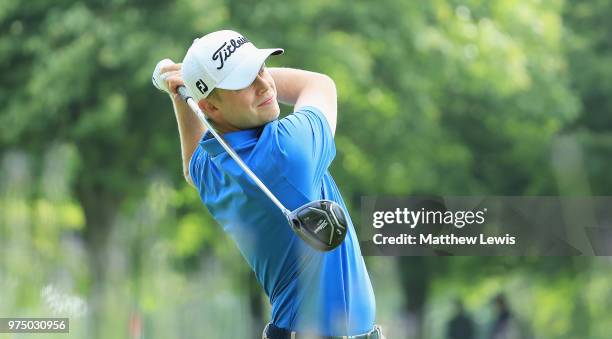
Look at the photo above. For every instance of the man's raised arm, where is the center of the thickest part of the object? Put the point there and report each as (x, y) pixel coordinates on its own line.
(303, 88)
(167, 77)
(190, 132)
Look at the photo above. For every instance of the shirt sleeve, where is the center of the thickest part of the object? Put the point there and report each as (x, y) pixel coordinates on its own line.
(196, 166)
(306, 146)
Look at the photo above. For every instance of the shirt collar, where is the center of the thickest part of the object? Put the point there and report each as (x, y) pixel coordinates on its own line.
(235, 139)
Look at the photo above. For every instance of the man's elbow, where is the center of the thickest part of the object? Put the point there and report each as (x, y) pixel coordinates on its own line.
(329, 100)
(327, 81)
(328, 86)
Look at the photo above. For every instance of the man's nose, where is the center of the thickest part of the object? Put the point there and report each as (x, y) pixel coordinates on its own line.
(261, 85)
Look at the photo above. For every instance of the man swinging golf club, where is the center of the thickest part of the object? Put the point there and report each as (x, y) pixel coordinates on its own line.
(255, 172)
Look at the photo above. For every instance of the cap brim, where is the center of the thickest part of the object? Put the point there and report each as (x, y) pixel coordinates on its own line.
(245, 73)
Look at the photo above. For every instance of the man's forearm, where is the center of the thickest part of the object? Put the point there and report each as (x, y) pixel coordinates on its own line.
(290, 82)
(300, 88)
(190, 129)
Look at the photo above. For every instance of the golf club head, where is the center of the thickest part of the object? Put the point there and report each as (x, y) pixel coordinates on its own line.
(322, 224)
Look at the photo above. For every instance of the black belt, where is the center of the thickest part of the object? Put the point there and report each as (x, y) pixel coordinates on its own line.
(273, 332)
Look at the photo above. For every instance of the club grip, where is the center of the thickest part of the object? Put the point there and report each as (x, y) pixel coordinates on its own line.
(182, 91)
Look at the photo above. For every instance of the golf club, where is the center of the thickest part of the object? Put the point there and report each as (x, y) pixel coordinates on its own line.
(322, 224)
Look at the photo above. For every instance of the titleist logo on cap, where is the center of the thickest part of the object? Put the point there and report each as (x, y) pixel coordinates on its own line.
(227, 49)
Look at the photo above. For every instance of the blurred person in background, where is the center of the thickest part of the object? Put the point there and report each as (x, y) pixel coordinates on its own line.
(461, 325)
(505, 325)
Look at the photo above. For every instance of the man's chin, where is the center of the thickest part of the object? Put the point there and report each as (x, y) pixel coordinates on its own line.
(266, 118)
(272, 113)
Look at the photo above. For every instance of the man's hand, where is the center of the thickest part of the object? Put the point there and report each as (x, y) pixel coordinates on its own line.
(167, 77)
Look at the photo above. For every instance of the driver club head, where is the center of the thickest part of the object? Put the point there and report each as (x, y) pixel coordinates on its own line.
(322, 224)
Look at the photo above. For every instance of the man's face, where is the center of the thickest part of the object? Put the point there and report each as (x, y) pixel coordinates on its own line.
(249, 107)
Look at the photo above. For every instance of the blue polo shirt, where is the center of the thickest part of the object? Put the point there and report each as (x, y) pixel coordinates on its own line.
(310, 291)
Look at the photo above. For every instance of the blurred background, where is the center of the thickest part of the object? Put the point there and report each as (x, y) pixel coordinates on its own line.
(495, 97)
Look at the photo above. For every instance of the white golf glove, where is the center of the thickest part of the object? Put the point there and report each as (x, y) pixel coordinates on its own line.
(159, 78)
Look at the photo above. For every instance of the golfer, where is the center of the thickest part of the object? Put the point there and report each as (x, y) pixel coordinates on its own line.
(313, 294)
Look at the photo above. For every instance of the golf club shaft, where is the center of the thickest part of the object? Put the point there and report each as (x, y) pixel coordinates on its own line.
(182, 90)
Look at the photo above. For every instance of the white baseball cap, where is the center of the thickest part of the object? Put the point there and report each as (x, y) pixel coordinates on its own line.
(222, 59)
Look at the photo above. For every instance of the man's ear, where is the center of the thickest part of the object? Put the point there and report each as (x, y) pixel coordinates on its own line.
(209, 108)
